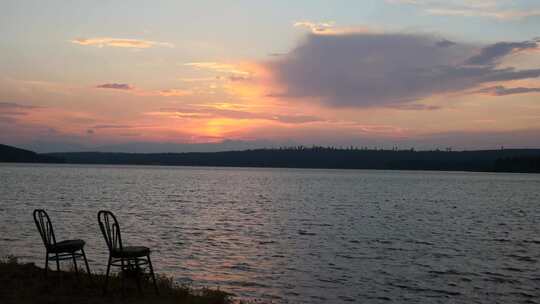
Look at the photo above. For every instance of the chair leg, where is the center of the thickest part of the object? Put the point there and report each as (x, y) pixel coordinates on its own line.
(75, 264)
(57, 263)
(138, 275)
(46, 263)
(152, 273)
(123, 274)
(86, 263)
(107, 275)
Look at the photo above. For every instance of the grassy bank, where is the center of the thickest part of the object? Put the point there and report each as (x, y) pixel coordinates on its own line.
(26, 283)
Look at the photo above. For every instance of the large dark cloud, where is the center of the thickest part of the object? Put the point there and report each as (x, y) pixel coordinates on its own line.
(388, 70)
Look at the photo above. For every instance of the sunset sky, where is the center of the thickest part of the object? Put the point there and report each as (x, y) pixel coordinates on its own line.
(201, 75)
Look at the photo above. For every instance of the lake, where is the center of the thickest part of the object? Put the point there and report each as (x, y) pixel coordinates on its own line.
(297, 236)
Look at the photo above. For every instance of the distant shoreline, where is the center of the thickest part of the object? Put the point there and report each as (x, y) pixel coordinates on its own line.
(503, 160)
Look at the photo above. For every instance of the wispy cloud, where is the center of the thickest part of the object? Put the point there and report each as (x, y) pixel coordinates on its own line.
(12, 105)
(11, 112)
(113, 126)
(120, 42)
(496, 9)
(199, 79)
(141, 92)
(497, 14)
(15, 109)
(209, 112)
(174, 92)
(115, 86)
(493, 53)
(218, 67)
(7, 119)
(503, 91)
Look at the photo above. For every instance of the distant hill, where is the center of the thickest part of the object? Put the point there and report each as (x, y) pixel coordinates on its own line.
(508, 160)
(13, 154)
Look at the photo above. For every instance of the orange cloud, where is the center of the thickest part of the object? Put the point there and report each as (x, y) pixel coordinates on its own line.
(315, 27)
(218, 67)
(227, 113)
(255, 86)
(174, 92)
(120, 42)
(329, 28)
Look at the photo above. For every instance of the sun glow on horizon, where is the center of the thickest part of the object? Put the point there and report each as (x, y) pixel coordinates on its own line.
(322, 78)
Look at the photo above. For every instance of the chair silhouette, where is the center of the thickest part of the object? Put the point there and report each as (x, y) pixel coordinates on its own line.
(126, 257)
(57, 251)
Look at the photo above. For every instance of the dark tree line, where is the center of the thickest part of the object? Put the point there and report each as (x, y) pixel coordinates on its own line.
(12, 154)
(503, 160)
(529, 164)
(321, 157)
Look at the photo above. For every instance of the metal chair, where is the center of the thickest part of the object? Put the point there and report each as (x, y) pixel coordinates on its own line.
(58, 251)
(126, 257)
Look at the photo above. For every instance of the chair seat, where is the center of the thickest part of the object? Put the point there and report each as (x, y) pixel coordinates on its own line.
(131, 252)
(67, 246)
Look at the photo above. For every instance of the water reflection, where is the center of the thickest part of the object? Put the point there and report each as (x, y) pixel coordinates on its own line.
(298, 236)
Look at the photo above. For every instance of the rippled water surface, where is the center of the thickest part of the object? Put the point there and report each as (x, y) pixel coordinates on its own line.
(298, 236)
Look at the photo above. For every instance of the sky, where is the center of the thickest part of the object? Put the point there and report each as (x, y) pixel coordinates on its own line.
(172, 76)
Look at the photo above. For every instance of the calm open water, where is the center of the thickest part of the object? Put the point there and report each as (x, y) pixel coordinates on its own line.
(297, 236)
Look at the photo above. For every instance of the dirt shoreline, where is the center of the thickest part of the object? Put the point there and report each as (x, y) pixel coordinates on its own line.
(26, 283)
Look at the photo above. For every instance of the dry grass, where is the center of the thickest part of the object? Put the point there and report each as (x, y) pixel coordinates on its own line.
(26, 283)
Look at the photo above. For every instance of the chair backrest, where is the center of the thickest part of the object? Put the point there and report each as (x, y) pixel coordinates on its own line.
(110, 229)
(45, 228)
